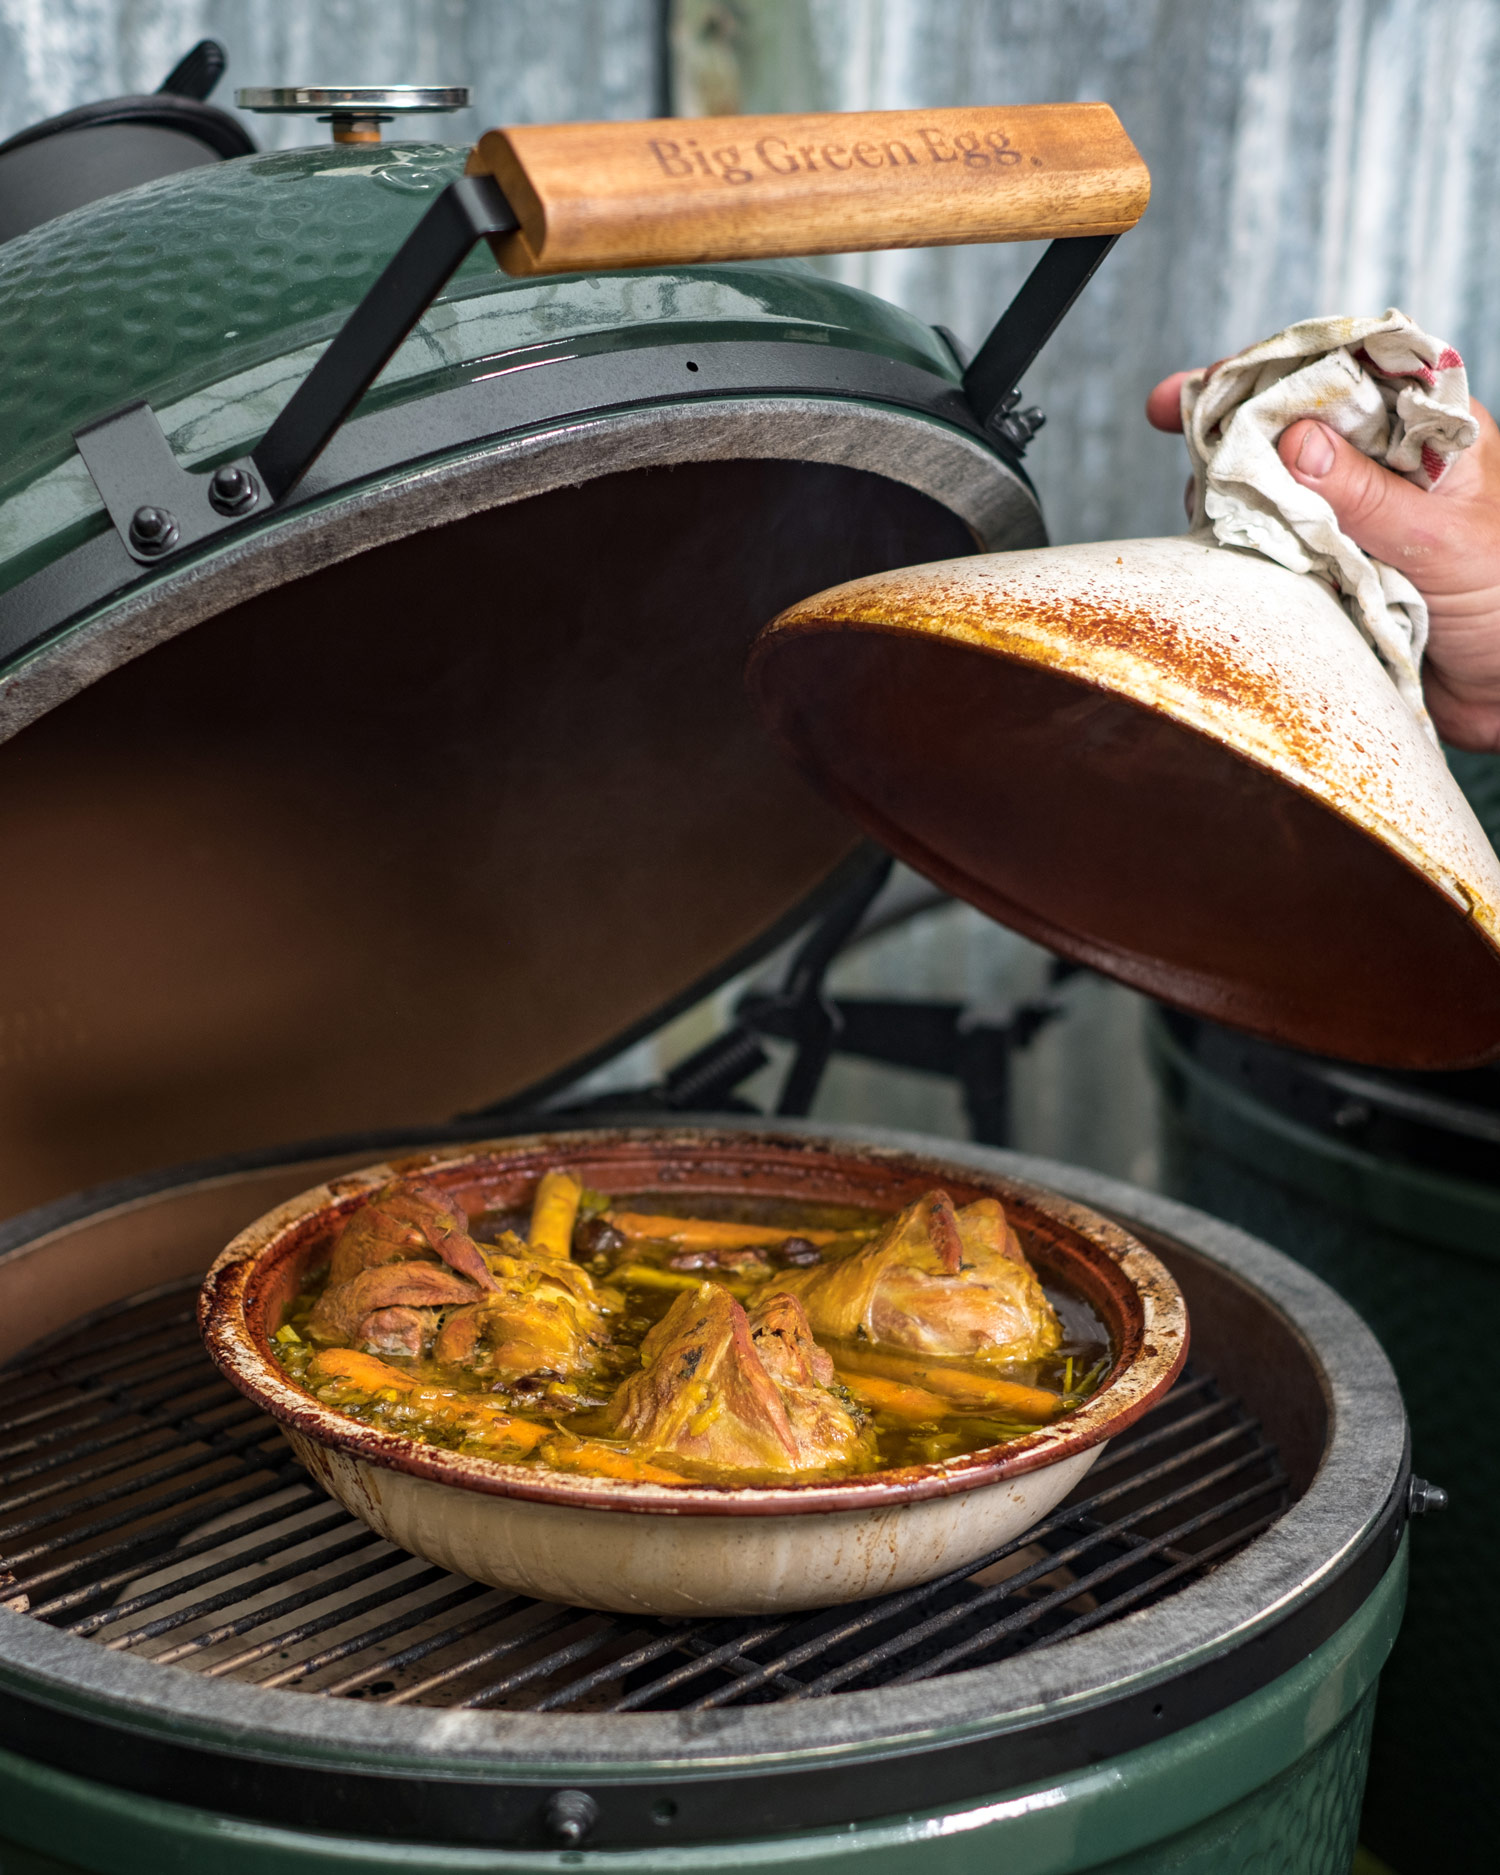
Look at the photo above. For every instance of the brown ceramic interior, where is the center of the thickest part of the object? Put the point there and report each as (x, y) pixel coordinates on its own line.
(412, 833)
(252, 1284)
(1117, 836)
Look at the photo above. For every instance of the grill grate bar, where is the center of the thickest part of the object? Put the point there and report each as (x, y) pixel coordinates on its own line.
(179, 1585)
(156, 1538)
(422, 1650)
(120, 1392)
(541, 1669)
(720, 1656)
(215, 1453)
(186, 1494)
(872, 1614)
(1030, 1612)
(372, 1637)
(289, 1604)
(336, 1617)
(84, 1369)
(1161, 1435)
(211, 1604)
(194, 1428)
(507, 1644)
(1020, 1579)
(1026, 1616)
(643, 1656)
(58, 1452)
(137, 1474)
(1204, 1561)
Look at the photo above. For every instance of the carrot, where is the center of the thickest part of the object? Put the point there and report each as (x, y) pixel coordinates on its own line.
(648, 1276)
(482, 1421)
(361, 1370)
(889, 1396)
(603, 1461)
(959, 1386)
(704, 1233)
(480, 1418)
(553, 1213)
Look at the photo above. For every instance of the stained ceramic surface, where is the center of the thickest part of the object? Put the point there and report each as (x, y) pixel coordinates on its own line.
(1174, 761)
(750, 1548)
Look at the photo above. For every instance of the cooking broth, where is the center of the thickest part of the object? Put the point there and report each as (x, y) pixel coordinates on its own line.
(692, 1338)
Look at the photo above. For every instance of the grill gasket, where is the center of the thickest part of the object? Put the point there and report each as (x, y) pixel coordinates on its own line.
(144, 1505)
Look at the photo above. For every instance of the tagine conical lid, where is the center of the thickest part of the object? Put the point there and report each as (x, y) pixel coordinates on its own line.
(1170, 760)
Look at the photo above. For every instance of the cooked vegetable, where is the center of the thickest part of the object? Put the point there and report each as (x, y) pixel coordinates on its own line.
(604, 1461)
(890, 1396)
(343, 1377)
(956, 1388)
(554, 1211)
(708, 1233)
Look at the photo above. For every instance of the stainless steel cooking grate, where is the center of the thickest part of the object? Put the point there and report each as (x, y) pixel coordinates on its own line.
(145, 1505)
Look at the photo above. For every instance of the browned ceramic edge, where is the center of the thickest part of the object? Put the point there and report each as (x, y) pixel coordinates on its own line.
(797, 623)
(1152, 1337)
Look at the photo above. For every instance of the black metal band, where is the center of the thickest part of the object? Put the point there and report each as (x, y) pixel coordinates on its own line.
(533, 396)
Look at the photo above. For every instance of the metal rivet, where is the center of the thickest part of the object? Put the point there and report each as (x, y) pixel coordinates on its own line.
(570, 1815)
(152, 530)
(232, 490)
(1422, 1497)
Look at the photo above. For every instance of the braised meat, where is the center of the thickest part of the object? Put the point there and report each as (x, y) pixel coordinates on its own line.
(343, 1308)
(406, 1220)
(788, 1342)
(938, 1281)
(732, 1394)
(543, 1315)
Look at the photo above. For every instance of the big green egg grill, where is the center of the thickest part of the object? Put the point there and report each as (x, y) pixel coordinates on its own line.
(207, 1663)
(373, 748)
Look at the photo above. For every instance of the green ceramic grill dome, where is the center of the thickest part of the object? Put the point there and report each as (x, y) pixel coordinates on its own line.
(209, 295)
(565, 505)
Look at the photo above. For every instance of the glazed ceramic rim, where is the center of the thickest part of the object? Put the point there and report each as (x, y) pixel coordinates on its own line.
(1152, 1347)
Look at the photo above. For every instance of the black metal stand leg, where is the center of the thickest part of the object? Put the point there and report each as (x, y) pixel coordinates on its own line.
(813, 1019)
(465, 212)
(1030, 320)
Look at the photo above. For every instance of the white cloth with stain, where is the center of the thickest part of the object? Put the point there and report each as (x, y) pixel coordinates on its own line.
(1394, 392)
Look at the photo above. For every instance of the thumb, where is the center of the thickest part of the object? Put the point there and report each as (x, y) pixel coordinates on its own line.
(1379, 510)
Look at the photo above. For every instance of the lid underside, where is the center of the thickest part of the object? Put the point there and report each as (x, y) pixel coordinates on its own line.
(1117, 835)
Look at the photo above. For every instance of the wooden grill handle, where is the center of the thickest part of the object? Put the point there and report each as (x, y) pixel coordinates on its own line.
(677, 190)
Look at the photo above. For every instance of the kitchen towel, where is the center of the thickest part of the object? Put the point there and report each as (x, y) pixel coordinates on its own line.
(1397, 394)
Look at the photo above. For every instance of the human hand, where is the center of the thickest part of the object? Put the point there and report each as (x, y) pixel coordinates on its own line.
(1446, 541)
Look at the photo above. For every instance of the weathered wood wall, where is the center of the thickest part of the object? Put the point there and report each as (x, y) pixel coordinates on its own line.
(1307, 156)
(527, 60)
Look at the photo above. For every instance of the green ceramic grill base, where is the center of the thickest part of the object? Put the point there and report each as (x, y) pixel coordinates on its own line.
(1416, 1253)
(1272, 1783)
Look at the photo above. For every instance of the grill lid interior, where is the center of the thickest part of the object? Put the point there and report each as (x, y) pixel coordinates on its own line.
(420, 829)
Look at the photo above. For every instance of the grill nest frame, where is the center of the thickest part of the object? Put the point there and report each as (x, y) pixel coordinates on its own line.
(482, 1776)
(1283, 1570)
